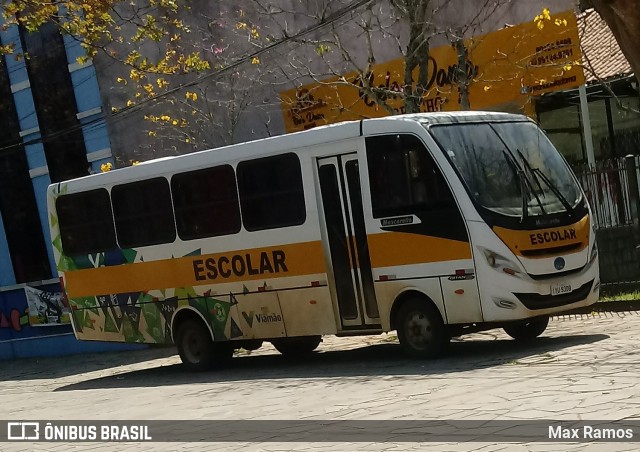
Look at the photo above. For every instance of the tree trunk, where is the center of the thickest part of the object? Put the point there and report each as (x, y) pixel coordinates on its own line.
(623, 18)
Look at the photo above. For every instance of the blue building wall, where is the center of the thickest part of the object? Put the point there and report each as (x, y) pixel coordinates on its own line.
(17, 337)
(90, 113)
(30, 133)
(6, 267)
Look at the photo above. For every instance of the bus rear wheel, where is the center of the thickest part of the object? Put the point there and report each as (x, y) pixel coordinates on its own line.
(296, 347)
(197, 350)
(421, 331)
(528, 329)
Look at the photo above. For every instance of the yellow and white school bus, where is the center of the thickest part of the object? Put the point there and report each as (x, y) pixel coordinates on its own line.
(430, 224)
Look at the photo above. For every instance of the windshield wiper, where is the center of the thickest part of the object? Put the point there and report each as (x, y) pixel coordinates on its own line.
(517, 172)
(531, 171)
(526, 188)
(537, 173)
(555, 190)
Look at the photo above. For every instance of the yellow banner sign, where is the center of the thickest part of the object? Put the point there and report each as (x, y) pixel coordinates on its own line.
(504, 68)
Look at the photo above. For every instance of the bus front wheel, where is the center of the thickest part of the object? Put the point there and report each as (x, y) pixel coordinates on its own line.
(197, 350)
(296, 347)
(528, 329)
(421, 331)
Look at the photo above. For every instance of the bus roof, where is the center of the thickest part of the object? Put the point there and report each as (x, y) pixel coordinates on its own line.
(281, 143)
(453, 117)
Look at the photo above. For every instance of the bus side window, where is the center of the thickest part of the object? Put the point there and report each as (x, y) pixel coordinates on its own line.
(143, 213)
(271, 192)
(404, 178)
(86, 223)
(206, 202)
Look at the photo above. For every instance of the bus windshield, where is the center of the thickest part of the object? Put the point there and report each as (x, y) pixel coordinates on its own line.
(510, 168)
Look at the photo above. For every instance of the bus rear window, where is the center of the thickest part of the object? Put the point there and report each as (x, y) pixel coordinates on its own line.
(143, 213)
(86, 222)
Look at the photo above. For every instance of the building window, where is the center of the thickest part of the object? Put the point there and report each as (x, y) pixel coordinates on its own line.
(86, 222)
(271, 193)
(206, 202)
(54, 100)
(404, 178)
(143, 213)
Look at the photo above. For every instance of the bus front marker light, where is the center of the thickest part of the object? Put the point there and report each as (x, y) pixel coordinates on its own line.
(504, 303)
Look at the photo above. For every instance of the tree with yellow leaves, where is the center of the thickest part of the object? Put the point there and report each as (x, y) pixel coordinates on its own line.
(206, 112)
(114, 27)
(144, 51)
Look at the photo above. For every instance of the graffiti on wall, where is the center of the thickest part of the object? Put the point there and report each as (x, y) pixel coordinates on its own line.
(13, 319)
(18, 321)
(46, 308)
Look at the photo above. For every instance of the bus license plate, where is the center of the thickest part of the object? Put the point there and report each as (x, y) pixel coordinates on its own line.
(559, 289)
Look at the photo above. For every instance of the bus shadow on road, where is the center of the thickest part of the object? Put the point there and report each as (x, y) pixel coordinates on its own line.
(51, 367)
(379, 360)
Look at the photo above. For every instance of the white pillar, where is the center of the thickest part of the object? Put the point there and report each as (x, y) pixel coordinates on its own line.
(586, 126)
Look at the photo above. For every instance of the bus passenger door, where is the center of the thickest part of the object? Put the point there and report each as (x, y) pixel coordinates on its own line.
(349, 263)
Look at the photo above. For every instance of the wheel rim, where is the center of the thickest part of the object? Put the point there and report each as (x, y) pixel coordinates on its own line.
(193, 347)
(419, 330)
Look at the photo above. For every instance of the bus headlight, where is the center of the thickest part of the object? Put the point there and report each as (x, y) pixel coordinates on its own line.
(501, 263)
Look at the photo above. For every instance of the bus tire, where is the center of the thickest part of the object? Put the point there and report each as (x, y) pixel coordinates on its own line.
(528, 329)
(197, 350)
(420, 329)
(296, 347)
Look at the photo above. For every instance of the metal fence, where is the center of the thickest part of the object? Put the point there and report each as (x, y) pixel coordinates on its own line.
(610, 188)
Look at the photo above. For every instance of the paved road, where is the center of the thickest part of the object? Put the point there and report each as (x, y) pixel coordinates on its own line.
(585, 367)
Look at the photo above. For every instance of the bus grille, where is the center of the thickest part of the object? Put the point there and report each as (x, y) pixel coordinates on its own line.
(535, 301)
(554, 250)
(556, 274)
